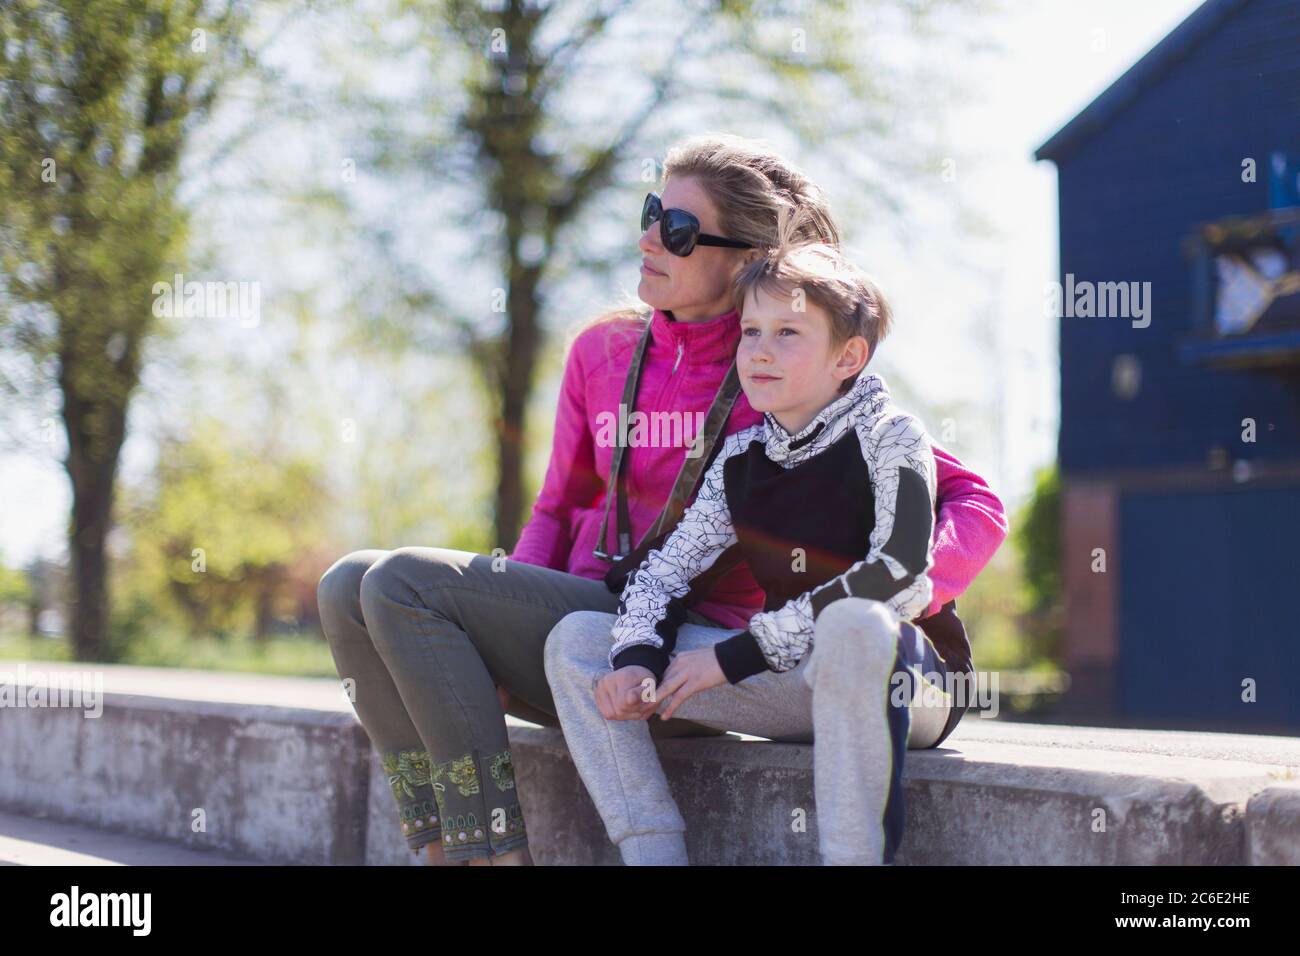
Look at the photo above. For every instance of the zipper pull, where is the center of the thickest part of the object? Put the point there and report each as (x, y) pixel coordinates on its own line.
(681, 347)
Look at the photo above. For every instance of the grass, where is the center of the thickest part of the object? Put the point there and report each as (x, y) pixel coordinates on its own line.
(300, 655)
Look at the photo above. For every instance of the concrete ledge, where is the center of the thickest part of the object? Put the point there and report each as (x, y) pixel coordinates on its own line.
(1273, 826)
(270, 783)
(282, 772)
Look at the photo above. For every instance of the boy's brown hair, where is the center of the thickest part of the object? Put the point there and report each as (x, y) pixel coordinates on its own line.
(852, 301)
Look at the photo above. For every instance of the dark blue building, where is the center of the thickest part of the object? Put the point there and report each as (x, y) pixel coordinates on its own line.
(1179, 192)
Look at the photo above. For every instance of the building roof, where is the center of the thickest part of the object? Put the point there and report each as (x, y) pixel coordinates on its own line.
(1141, 76)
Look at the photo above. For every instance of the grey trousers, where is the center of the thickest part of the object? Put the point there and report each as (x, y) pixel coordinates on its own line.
(871, 688)
(420, 637)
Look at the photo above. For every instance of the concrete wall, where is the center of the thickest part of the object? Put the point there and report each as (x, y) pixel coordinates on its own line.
(296, 781)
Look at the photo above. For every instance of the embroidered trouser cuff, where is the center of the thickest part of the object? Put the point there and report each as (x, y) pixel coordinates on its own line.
(468, 806)
(408, 773)
(478, 805)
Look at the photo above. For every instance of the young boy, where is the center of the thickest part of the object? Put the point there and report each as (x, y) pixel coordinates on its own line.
(834, 472)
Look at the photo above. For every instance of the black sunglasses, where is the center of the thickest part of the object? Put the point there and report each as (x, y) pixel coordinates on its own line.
(679, 230)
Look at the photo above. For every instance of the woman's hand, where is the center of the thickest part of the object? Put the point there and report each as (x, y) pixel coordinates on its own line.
(689, 673)
(620, 693)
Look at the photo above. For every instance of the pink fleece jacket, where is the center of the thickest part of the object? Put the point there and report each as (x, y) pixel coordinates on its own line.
(684, 365)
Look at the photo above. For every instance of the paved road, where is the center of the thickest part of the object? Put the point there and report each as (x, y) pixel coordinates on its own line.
(27, 841)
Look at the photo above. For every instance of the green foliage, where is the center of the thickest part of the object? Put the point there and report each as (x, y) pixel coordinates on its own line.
(219, 545)
(993, 609)
(97, 101)
(300, 655)
(14, 588)
(17, 645)
(15, 600)
(1013, 609)
(95, 104)
(1038, 535)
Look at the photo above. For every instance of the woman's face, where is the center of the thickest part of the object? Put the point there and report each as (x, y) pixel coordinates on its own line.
(693, 287)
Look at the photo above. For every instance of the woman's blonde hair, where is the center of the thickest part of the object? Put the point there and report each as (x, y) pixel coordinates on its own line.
(853, 302)
(750, 186)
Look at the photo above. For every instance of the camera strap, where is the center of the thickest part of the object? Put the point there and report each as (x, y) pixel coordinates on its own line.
(706, 443)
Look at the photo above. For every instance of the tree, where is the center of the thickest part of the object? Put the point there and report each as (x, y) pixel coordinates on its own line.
(1038, 536)
(97, 101)
(536, 110)
(15, 592)
(222, 527)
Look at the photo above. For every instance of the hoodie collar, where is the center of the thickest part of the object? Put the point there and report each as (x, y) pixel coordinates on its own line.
(828, 426)
(699, 343)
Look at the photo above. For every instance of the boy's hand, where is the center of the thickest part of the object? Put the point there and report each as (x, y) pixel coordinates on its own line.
(689, 673)
(619, 693)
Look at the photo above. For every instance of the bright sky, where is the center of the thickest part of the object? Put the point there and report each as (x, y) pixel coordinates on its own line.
(960, 334)
(1059, 57)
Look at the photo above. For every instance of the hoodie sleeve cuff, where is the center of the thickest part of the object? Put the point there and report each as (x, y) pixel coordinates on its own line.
(740, 656)
(653, 659)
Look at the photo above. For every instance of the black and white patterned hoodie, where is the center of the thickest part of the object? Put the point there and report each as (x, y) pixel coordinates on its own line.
(901, 472)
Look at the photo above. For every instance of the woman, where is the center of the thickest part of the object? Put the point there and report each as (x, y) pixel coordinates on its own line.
(439, 644)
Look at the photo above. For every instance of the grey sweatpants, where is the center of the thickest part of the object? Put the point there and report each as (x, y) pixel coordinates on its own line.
(871, 688)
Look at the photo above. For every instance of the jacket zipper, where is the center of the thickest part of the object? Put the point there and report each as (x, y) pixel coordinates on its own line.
(639, 460)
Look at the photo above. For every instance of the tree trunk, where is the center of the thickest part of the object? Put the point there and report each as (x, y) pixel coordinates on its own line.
(515, 385)
(35, 599)
(95, 434)
(269, 583)
(92, 504)
(262, 618)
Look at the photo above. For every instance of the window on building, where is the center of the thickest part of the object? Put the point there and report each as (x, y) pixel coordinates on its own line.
(1246, 274)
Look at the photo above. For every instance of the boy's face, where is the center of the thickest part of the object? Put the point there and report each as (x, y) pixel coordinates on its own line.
(785, 360)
